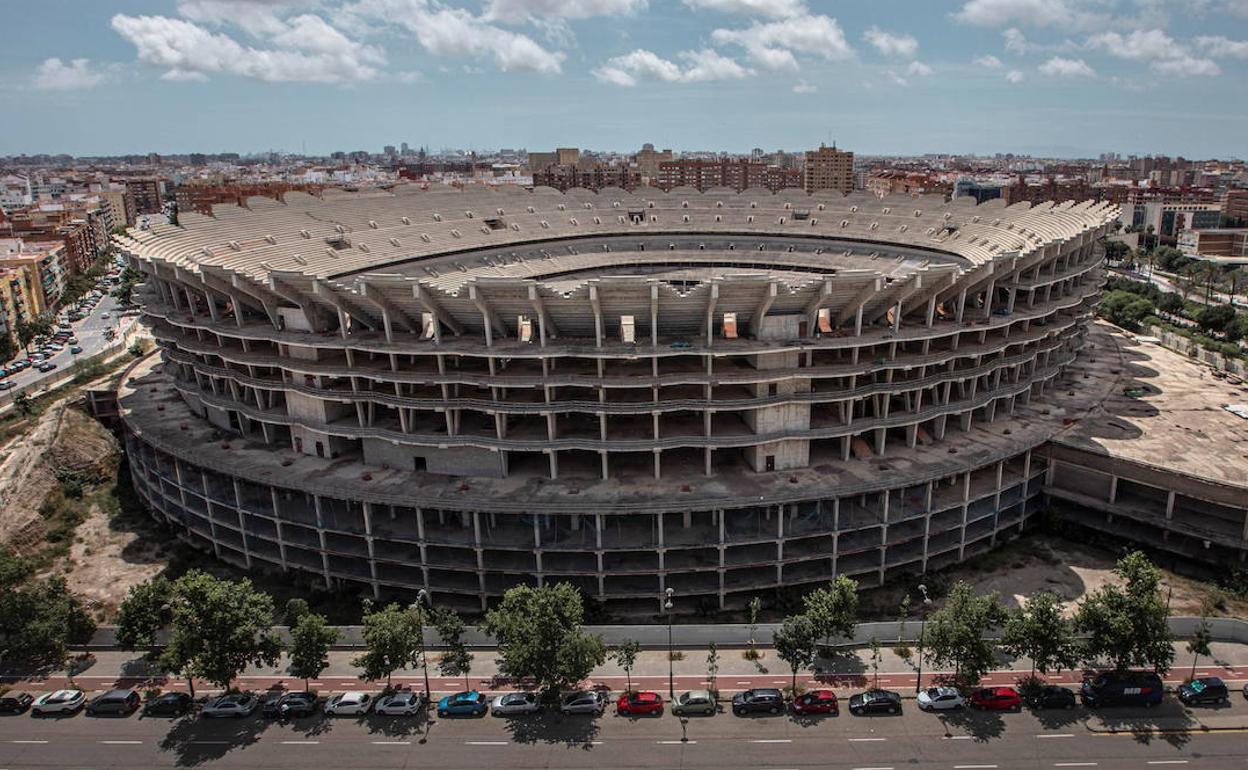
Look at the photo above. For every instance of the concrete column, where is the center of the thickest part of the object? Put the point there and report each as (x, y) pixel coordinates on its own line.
(242, 526)
(320, 533)
(1113, 489)
(281, 541)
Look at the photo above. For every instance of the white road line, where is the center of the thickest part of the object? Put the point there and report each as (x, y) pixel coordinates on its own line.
(27, 741)
(121, 743)
(300, 743)
(974, 767)
(392, 743)
(745, 682)
(867, 740)
(1167, 761)
(890, 767)
(676, 743)
(486, 743)
(772, 740)
(958, 737)
(1057, 735)
(1074, 764)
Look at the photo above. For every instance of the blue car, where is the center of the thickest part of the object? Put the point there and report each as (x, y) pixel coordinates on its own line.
(470, 703)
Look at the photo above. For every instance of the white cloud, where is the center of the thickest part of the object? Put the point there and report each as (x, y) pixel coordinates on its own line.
(898, 79)
(520, 10)
(889, 44)
(1015, 41)
(699, 66)
(1236, 7)
(55, 75)
(1067, 68)
(918, 69)
(1015, 76)
(308, 50)
(772, 45)
(1221, 47)
(1031, 13)
(772, 9)
(257, 17)
(802, 87)
(1162, 53)
(988, 61)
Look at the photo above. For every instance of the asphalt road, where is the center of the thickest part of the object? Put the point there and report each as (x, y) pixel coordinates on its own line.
(90, 333)
(913, 741)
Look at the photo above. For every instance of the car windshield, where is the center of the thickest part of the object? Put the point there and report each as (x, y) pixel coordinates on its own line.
(1198, 685)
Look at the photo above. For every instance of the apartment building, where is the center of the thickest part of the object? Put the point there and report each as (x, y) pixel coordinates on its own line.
(828, 168)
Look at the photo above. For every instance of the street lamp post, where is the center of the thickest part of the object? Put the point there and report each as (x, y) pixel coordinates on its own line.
(671, 666)
(927, 602)
(422, 598)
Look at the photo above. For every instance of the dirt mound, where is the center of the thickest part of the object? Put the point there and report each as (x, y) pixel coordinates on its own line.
(66, 445)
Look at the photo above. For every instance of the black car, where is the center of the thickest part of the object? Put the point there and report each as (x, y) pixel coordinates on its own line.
(289, 705)
(121, 702)
(1204, 690)
(1052, 697)
(15, 702)
(875, 702)
(1123, 688)
(170, 704)
(766, 700)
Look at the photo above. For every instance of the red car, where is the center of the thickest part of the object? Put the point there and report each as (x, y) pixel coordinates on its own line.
(639, 704)
(997, 699)
(816, 702)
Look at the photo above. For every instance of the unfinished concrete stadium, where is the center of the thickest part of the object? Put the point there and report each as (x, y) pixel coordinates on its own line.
(720, 393)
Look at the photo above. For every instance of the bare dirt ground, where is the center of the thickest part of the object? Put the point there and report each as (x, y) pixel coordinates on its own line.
(109, 555)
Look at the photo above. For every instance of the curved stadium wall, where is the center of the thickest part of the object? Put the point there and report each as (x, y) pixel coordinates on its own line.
(720, 393)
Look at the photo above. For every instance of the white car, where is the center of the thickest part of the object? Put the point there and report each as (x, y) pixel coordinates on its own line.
(584, 702)
(940, 699)
(400, 704)
(349, 704)
(515, 703)
(235, 704)
(58, 702)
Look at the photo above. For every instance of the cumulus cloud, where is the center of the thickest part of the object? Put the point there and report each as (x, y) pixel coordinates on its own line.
(802, 87)
(695, 67)
(520, 10)
(1223, 48)
(1015, 76)
(1162, 52)
(889, 44)
(306, 50)
(772, 9)
(918, 69)
(988, 61)
(1067, 68)
(1031, 13)
(56, 75)
(773, 45)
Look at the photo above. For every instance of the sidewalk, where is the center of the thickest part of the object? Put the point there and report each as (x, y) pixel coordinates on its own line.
(851, 671)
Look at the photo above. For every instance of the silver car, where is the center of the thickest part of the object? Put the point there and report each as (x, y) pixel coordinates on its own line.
(236, 704)
(400, 704)
(940, 699)
(584, 702)
(694, 702)
(515, 703)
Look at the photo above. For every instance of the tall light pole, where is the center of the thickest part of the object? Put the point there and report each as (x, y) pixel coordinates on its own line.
(422, 598)
(927, 602)
(671, 666)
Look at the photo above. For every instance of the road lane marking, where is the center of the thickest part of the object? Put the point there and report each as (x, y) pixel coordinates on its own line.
(1057, 735)
(392, 743)
(676, 743)
(121, 743)
(974, 767)
(300, 743)
(958, 737)
(867, 740)
(1074, 764)
(27, 741)
(1167, 761)
(486, 743)
(772, 740)
(890, 767)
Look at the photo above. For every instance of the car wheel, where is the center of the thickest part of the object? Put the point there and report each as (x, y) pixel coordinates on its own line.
(856, 712)
(739, 712)
(892, 709)
(773, 710)
(1070, 706)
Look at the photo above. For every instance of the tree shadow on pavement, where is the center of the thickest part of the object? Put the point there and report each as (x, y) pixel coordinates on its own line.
(982, 726)
(812, 720)
(1053, 719)
(1169, 723)
(553, 727)
(396, 726)
(194, 741)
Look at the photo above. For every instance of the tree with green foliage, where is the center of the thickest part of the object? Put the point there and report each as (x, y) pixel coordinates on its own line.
(1125, 309)
(30, 329)
(393, 639)
(876, 657)
(712, 665)
(752, 611)
(1126, 623)
(311, 638)
(539, 636)
(954, 634)
(296, 608)
(833, 610)
(1039, 631)
(455, 660)
(1200, 644)
(216, 628)
(797, 643)
(39, 618)
(1215, 318)
(625, 656)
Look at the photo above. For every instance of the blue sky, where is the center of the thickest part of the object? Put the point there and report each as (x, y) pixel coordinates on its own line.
(885, 76)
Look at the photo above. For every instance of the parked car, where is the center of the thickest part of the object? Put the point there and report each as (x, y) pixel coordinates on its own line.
(815, 702)
(1052, 697)
(235, 704)
(289, 705)
(169, 704)
(406, 703)
(875, 702)
(515, 703)
(694, 702)
(467, 703)
(997, 699)
(6, 385)
(584, 702)
(123, 701)
(58, 702)
(75, 350)
(1204, 690)
(644, 703)
(764, 700)
(940, 699)
(1127, 688)
(349, 704)
(15, 702)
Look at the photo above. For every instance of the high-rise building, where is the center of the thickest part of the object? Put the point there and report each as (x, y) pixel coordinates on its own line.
(648, 160)
(828, 168)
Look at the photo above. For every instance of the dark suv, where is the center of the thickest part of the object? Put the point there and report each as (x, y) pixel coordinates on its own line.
(123, 702)
(1122, 688)
(762, 701)
(875, 702)
(1204, 690)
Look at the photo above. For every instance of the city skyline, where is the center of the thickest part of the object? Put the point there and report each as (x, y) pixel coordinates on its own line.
(1071, 78)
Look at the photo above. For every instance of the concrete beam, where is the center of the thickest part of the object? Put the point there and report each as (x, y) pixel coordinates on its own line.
(425, 298)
